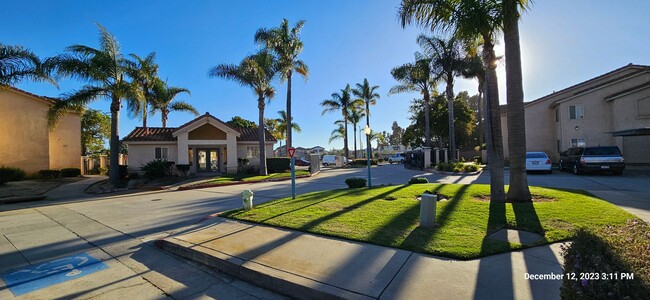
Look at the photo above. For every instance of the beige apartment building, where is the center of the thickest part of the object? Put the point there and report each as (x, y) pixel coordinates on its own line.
(611, 109)
(25, 140)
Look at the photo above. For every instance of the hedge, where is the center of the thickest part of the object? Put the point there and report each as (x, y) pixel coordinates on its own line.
(418, 180)
(49, 174)
(363, 162)
(278, 164)
(11, 174)
(70, 172)
(356, 182)
(618, 250)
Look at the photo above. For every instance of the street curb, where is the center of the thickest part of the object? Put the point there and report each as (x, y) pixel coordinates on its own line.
(184, 188)
(454, 173)
(21, 199)
(276, 280)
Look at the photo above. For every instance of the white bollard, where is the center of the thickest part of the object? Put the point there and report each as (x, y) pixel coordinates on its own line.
(428, 210)
(247, 199)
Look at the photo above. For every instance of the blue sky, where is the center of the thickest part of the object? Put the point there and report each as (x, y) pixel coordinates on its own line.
(563, 43)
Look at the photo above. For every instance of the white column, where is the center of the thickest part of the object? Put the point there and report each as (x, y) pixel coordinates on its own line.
(437, 156)
(183, 150)
(427, 157)
(446, 155)
(231, 167)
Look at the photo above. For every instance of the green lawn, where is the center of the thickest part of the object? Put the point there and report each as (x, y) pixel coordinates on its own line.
(240, 177)
(389, 216)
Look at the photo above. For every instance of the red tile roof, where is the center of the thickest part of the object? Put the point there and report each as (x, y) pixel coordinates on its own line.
(151, 134)
(251, 135)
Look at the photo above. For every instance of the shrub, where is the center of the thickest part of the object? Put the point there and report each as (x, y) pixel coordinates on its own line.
(134, 175)
(356, 182)
(363, 162)
(124, 171)
(478, 160)
(418, 180)
(457, 167)
(612, 250)
(470, 168)
(183, 168)
(70, 172)
(157, 168)
(49, 174)
(11, 174)
(102, 170)
(278, 164)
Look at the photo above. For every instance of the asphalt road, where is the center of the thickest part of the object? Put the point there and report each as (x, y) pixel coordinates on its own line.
(120, 230)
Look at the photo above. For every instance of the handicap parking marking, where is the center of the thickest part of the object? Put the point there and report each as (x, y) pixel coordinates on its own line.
(27, 280)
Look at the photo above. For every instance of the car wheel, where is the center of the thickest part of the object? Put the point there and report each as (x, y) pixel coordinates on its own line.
(576, 170)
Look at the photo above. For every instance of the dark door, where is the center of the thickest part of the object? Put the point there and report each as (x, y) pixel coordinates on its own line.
(207, 160)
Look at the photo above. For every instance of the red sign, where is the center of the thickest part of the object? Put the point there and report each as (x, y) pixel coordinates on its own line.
(291, 151)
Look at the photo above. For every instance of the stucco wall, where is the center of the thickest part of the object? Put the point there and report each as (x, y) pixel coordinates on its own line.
(207, 132)
(23, 132)
(65, 143)
(241, 152)
(140, 154)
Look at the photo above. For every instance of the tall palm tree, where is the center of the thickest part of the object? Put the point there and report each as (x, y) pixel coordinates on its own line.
(355, 115)
(339, 132)
(285, 43)
(283, 122)
(369, 96)
(18, 63)
(416, 77)
(255, 71)
(144, 72)
(474, 68)
(470, 20)
(447, 62)
(162, 100)
(518, 190)
(341, 102)
(103, 69)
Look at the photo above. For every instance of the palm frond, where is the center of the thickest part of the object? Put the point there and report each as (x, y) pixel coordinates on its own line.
(73, 102)
(183, 106)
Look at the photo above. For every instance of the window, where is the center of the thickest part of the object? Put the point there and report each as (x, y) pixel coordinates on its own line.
(578, 143)
(557, 115)
(162, 153)
(252, 151)
(576, 112)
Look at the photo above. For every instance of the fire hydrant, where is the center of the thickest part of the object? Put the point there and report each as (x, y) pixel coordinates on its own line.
(247, 199)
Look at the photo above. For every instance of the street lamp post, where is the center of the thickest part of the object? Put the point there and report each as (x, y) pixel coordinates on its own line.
(367, 132)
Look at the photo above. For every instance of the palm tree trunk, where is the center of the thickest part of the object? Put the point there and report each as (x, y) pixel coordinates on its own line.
(450, 107)
(427, 121)
(355, 140)
(493, 134)
(481, 132)
(345, 137)
(289, 119)
(164, 114)
(144, 117)
(114, 144)
(518, 190)
(262, 138)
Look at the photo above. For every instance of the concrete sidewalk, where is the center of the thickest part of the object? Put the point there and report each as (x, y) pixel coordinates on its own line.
(75, 189)
(303, 265)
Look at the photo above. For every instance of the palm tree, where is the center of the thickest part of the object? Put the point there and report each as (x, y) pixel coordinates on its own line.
(518, 190)
(162, 100)
(447, 62)
(367, 94)
(283, 122)
(285, 43)
(355, 115)
(339, 132)
(255, 71)
(144, 72)
(18, 63)
(474, 68)
(416, 77)
(341, 102)
(103, 69)
(470, 20)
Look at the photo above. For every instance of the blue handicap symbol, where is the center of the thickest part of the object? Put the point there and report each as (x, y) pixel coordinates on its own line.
(53, 272)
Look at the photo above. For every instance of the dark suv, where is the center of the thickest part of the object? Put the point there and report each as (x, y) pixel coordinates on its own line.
(592, 159)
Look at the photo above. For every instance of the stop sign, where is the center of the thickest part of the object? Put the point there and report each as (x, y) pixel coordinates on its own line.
(291, 151)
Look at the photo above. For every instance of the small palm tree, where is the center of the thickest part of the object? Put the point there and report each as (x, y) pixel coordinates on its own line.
(341, 102)
(103, 69)
(162, 100)
(255, 71)
(144, 72)
(283, 122)
(285, 43)
(369, 96)
(339, 132)
(417, 77)
(18, 63)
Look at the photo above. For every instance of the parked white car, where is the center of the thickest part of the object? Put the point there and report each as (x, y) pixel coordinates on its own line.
(538, 161)
(397, 158)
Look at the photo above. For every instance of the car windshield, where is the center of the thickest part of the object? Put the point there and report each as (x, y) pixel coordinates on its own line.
(602, 151)
(535, 155)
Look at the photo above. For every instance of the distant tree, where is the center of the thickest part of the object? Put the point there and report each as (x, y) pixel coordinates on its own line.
(439, 115)
(255, 71)
(341, 102)
(283, 122)
(396, 137)
(18, 63)
(95, 129)
(239, 122)
(285, 43)
(144, 72)
(163, 101)
(355, 116)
